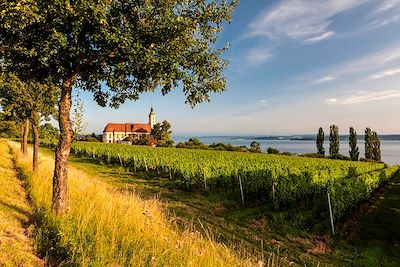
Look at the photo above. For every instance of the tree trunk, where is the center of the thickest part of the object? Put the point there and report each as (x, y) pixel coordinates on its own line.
(22, 138)
(25, 138)
(35, 145)
(62, 150)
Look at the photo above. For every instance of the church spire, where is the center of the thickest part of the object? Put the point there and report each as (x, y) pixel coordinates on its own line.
(152, 117)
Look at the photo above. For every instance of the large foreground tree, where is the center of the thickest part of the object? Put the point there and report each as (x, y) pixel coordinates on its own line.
(116, 49)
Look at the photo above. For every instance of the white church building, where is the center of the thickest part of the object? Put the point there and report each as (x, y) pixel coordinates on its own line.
(125, 132)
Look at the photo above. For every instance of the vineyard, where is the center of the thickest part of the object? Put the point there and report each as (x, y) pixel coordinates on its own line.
(283, 180)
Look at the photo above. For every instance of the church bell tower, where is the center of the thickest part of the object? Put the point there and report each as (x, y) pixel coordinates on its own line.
(152, 117)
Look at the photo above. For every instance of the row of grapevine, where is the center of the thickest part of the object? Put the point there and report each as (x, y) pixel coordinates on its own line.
(286, 179)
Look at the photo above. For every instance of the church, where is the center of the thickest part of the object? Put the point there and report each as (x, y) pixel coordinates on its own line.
(125, 133)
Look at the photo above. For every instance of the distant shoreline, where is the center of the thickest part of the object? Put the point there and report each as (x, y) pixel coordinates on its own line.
(307, 137)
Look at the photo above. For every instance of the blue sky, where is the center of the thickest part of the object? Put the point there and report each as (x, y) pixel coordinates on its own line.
(295, 65)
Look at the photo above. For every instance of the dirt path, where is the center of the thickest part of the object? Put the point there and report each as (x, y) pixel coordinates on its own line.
(378, 229)
(16, 246)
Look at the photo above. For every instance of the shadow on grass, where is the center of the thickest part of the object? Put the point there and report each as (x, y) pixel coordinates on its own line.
(47, 234)
(377, 231)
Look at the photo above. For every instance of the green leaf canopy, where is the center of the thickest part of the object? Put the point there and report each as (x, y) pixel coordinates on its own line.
(132, 46)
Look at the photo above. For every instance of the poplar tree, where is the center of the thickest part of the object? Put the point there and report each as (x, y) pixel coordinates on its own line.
(376, 147)
(354, 153)
(320, 142)
(368, 143)
(334, 140)
(116, 49)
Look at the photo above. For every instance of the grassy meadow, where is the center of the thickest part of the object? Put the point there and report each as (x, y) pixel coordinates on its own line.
(104, 226)
(116, 217)
(16, 248)
(300, 234)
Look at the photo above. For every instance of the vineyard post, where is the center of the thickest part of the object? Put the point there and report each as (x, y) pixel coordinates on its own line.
(145, 165)
(205, 181)
(120, 160)
(274, 202)
(170, 174)
(158, 170)
(108, 157)
(241, 189)
(93, 155)
(330, 212)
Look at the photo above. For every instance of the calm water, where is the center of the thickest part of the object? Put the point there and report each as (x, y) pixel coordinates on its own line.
(390, 149)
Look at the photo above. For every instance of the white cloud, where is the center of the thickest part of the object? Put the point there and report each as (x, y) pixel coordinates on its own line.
(304, 20)
(379, 60)
(263, 102)
(386, 20)
(363, 97)
(384, 74)
(386, 13)
(323, 80)
(323, 36)
(387, 5)
(257, 55)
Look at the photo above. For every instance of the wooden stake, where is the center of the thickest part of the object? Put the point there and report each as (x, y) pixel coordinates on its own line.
(274, 202)
(241, 189)
(145, 165)
(120, 160)
(330, 213)
(205, 181)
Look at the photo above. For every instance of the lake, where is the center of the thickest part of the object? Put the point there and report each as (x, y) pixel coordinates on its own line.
(390, 149)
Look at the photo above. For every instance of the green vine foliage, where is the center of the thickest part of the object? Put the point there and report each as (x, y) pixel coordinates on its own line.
(295, 179)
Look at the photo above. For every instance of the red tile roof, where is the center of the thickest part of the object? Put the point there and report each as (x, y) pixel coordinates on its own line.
(128, 127)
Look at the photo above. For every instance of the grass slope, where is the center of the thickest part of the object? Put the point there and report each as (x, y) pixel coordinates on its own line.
(224, 218)
(243, 229)
(107, 227)
(16, 247)
(377, 231)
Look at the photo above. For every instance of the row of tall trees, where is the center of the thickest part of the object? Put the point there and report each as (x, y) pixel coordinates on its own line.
(28, 102)
(116, 50)
(372, 143)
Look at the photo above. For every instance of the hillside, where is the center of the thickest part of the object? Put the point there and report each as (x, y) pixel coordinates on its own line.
(300, 233)
(16, 225)
(104, 226)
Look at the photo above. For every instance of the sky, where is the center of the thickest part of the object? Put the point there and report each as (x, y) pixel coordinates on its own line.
(295, 66)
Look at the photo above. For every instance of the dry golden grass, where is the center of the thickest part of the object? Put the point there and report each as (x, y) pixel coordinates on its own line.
(106, 227)
(16, 248)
